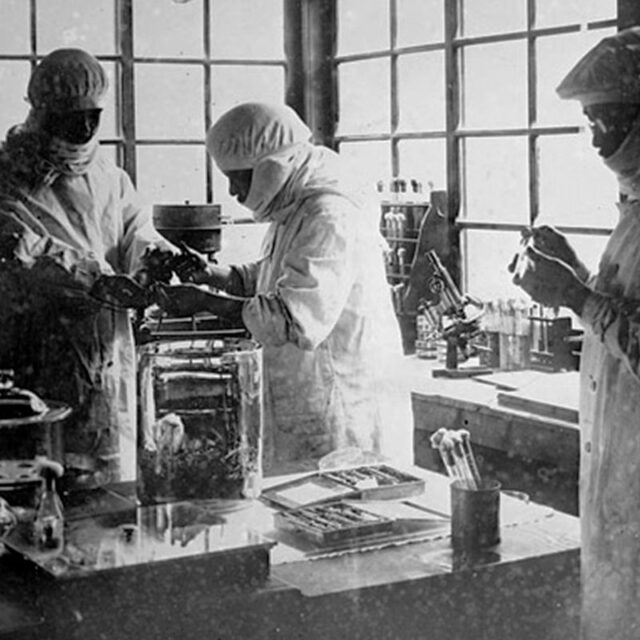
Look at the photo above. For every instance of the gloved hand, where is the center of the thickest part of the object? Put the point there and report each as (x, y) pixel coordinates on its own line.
(549, 281)
(554, 244)
(157, 266)
(122, 291)
(189, 299)
(191, 266)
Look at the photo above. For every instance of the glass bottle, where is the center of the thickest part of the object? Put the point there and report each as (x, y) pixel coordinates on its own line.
(49, 522)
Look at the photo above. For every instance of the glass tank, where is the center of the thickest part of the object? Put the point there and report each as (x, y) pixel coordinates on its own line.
(201, 420)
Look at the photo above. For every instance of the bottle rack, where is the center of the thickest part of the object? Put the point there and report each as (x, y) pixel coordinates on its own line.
(400, 222)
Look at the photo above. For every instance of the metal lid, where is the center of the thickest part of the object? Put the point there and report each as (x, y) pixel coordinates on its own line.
(19, 406)
(17, 403)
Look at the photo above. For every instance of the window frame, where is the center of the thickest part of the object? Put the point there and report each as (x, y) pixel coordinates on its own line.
(127, 142)
(455, 133)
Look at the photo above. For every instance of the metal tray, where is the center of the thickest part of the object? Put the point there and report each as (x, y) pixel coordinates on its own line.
(371, 482)
(333, 522)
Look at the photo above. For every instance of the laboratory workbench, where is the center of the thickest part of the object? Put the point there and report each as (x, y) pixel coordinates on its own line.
(525, 587)
(523, 423)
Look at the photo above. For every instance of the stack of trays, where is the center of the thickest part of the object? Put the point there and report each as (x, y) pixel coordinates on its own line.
(316, 506)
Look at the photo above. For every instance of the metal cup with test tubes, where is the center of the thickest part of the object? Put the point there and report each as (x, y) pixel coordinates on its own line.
(457, 456)
(475, 502)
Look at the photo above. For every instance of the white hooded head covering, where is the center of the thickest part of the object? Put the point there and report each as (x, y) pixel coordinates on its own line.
(64, 80)
(610, 73)
(245, 134)
(274, 143)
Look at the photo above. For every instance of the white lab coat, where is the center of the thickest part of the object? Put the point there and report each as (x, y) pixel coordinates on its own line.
(89, 224)
(321, 307)
(610, 441)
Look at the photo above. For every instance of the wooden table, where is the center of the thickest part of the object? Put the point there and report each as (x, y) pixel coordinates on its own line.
(525, 587)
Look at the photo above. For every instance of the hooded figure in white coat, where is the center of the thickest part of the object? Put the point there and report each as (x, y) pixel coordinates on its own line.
(317, 299)
(68, 219)
(606, 81)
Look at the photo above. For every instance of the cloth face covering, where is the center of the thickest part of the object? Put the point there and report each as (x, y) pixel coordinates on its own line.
(625, 163)
(72, 159)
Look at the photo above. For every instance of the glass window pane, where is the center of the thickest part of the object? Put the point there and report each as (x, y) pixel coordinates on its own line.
(14, 26)
(556, 56)
(244, 29)
(370, 160)
(363, 25)
(496, 180)
(424, 161)
(421, 89)
(487, 255)
(420, 21)
(166, 28)
(109, 120)
(575, 186)
(169, 101)
(232, 85)
(496, 16)
(14, 77)
(171, 174)
(364, 89)
(77, 23)
(495, 85)
(554, 12)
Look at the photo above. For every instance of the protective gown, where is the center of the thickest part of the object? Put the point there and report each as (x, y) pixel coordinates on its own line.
(321, 307)
(57, 235)
(610, 422)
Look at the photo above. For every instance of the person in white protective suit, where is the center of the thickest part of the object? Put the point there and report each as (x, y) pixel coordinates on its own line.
(606, 81)
(70, 229)
(317, 299)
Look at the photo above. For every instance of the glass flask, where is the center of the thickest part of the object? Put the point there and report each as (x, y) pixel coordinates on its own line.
(201, 420)
(49, 521)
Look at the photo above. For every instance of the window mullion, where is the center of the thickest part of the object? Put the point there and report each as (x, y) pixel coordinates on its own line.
(532, 116)
(208, 93)
(393, 84)
(127, 106)
(452, 14)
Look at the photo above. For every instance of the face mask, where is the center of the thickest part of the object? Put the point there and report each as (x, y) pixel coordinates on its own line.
(71, 159)
(74, 127)
(625, 162)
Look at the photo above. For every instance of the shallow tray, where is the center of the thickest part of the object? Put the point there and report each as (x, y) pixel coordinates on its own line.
(372, 482)
(333, 522)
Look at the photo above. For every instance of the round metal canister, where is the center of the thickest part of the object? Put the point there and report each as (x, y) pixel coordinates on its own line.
(475, 515)
(197, 225)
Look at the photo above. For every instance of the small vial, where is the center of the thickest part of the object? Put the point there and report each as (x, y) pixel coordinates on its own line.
(49, 521)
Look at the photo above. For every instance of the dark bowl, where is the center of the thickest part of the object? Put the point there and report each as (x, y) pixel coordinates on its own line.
(198, 226)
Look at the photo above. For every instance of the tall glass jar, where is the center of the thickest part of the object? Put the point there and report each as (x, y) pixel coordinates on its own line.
(201, 420)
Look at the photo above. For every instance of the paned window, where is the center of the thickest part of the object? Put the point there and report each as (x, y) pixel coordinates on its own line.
(173, 66)
(461, 96)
